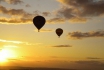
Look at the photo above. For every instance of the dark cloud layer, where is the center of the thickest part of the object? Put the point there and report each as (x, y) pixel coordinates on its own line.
(85, 7)
(13, 12)
(62, 46)
(80, 9)
(80, 35)
(22, 14)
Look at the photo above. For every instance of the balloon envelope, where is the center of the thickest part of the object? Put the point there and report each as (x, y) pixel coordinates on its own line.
(59, 32)
(39, 22)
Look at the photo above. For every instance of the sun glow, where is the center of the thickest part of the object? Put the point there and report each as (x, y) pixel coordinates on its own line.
(6, 54)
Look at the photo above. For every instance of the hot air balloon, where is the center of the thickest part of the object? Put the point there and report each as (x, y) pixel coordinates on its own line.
(39, 22)
(59, 31)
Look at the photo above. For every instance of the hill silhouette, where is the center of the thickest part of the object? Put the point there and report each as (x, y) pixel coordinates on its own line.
(31, 68)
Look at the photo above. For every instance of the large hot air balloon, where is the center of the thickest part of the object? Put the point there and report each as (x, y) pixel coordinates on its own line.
(39, 22)
(59, 31)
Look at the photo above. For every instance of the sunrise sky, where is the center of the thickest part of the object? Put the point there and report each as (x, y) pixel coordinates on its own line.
(81, 45)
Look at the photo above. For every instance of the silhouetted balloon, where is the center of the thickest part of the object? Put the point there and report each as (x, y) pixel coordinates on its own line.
(39, 22)
(59, 31)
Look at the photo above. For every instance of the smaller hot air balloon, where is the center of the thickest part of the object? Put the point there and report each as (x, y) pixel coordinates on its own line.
(39, 22)
(59, 31)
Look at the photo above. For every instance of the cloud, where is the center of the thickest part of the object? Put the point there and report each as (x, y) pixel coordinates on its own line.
(27, 5)
(87, 7)
(44, 30)
(80, 9)
(18, 42)
(15, 12)
(80, 35)
(16, 15)
(12, 1)
(62, 46)
(93, 58)
(65, 12)
(46, 13)
(10, 46)
(21, 16)
(15, 20)
(78, 20)
(56, 20)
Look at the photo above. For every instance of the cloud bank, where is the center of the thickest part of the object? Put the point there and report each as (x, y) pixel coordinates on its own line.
(81, 35)
(80, 10)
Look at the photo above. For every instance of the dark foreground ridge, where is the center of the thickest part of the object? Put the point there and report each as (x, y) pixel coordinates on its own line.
(30, 68)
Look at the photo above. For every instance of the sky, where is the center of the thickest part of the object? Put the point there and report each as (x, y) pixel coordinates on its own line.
(81, 46)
